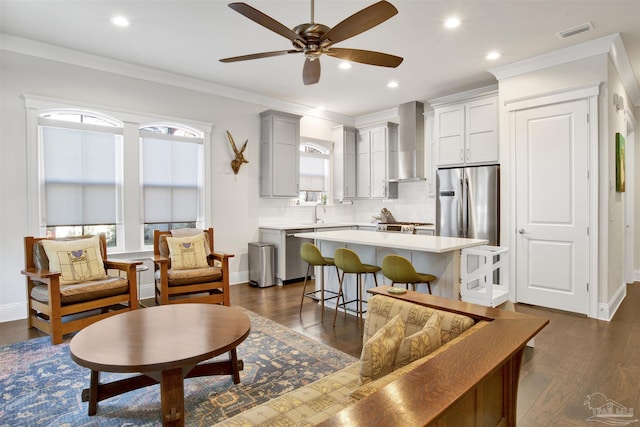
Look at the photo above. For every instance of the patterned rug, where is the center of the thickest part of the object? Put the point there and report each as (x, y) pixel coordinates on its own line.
(40, 385)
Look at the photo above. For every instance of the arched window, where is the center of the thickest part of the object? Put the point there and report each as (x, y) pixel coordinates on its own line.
(314, 171)
(172, 177)
(81, 173)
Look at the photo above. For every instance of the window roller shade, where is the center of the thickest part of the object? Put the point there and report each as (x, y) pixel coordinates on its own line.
(80, 178)
(170, 180)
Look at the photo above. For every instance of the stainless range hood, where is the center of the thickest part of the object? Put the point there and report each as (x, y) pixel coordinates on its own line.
(411, 142)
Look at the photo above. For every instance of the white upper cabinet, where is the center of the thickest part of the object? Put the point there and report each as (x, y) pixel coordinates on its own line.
(377, 161)
(466, 132)
(279, 154)
(344, 162)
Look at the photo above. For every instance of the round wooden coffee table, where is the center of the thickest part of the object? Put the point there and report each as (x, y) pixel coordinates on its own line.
(165, 344)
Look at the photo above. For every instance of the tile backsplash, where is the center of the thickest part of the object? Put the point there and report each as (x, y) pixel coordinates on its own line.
(412, 204)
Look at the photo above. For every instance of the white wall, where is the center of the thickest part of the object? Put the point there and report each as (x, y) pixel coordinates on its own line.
(636, 263)
(616, 200)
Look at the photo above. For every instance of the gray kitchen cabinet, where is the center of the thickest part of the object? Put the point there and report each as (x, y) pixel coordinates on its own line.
(289, 265)
(344, 162)
(377, 161)
(466, 132)
(279, 154)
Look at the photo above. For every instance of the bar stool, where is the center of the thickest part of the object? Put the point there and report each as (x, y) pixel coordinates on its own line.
(349, 262)
(311, 254)
(398, 269)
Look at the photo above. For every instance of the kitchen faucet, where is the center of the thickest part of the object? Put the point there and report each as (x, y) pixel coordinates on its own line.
(315, 212)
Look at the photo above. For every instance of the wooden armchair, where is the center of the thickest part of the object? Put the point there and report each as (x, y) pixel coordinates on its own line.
(68, 287)
(184, 273)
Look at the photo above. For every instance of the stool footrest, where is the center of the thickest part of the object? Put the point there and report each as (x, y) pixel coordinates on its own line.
(344, 305)
(313, 296)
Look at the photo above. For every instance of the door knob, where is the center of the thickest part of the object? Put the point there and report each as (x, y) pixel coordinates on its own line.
(521, 231)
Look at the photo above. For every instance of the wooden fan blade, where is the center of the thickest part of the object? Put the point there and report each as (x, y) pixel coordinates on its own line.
(266, 21)
(365, 57)
(311, 71)
(360, 22)
(258, 55)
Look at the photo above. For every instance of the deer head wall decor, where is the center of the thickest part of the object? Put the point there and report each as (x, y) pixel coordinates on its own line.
(239, 160)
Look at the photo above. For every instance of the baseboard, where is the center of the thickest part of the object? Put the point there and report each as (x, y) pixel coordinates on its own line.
(15, 311)
(239, 277)
(146, 291)
(608, 310)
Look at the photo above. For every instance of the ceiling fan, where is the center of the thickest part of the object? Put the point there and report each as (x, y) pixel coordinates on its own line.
(314, 39)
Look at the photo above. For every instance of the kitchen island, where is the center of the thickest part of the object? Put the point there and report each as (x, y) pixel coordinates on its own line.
(289, 266)
(435, 255)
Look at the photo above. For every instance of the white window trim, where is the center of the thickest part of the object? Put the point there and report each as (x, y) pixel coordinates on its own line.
(133, 230)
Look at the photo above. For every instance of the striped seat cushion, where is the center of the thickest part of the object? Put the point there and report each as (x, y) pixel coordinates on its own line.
(85, 291)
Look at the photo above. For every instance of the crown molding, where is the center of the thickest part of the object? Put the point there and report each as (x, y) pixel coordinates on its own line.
(377, 117)
(611, 45)
(73, 57)
(467, 95)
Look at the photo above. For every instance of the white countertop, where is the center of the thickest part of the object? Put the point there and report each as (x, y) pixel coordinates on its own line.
(294, 226)
(413, 242)
(303, 226)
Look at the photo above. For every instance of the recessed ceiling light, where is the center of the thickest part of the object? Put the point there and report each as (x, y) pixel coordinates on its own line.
(493, 55)
(392, 84)
(344, 65)
(452, 22)
(120, 21)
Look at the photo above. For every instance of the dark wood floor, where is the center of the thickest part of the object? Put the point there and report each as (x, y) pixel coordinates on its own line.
(573, 357)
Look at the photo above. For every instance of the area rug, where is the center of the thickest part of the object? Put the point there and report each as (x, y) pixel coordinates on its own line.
(41, 386)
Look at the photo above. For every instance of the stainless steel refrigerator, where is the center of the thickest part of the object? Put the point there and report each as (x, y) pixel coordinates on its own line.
(468, 203)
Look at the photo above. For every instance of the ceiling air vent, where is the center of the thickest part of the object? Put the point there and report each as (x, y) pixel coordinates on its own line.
(575, 30)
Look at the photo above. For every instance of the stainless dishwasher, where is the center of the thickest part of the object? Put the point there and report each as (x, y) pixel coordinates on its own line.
(296, 267)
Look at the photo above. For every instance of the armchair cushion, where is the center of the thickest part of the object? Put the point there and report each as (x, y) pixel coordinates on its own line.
(77, 260)
(85, 291)
(191, 276)
(188, 252)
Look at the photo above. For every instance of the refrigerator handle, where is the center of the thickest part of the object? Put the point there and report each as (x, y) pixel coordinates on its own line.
(465, 207)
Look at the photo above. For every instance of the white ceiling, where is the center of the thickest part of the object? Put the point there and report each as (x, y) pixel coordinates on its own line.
(187, 37)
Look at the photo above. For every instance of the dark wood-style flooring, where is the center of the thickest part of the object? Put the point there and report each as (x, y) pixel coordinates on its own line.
(574, 356)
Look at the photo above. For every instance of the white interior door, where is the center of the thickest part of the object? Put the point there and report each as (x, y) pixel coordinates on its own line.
(552, 250)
